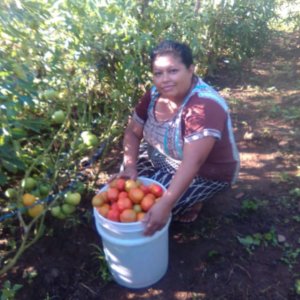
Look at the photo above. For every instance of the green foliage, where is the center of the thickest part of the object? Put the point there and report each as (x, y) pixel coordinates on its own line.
(8, 292)
(257, 239)
(103, 270)
(290, 255)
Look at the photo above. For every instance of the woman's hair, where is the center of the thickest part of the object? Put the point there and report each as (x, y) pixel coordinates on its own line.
(182, 51)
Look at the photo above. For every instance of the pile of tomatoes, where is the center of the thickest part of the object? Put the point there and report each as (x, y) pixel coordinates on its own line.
(126, 201)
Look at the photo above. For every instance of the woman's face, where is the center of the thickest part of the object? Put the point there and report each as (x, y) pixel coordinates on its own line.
(171, 77)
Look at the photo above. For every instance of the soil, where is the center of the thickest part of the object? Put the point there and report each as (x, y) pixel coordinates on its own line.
(244, 244)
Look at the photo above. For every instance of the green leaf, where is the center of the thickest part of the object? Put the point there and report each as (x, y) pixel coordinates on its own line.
(12, 164)
(247, 241)
(3, 178)
(17, 287)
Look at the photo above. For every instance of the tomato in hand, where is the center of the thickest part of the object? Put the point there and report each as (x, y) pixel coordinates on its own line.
(128, 216)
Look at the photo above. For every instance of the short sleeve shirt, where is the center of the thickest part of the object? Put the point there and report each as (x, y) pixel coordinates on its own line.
(204, 114)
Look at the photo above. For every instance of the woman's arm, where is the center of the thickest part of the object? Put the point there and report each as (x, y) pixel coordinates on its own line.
(194, 155)
(131, 143)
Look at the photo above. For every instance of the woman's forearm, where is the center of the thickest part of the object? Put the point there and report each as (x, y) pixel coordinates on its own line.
(131, 145)
(180, 182)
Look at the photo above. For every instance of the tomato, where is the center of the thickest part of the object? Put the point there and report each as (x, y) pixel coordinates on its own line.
(147, 203)
(145, 189)
(128, 216)
(156, 190)
(73, 198)
(140, 216)
(106, 205)
(150, 196)
(120, 184)
(104, 196)
(28, 199)
(44, 190)
(129, 184)
(113, 183)
(61, 215)
(113, 215)
(113, 194)
(103, 210)
(97, 200)
(58, 117)
(137, 208)
(10, 193)
(28, 183)
(90, 140)
(50, 94)
(136, 195)
(68, 209)
(123, 195)
(35, 210)
(124, 203)
(138, 183)
(55, 211)
(114, 206)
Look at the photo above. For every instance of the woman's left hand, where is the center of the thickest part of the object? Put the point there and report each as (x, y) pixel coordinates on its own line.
(156, 218)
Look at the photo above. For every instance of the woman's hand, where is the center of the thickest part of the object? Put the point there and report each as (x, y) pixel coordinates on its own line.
(130, 172)
(156, 218)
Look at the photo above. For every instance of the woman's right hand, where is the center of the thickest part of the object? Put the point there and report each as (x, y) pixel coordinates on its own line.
(130, 172)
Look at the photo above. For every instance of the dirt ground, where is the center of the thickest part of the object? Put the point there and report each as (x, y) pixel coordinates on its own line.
(245, 243)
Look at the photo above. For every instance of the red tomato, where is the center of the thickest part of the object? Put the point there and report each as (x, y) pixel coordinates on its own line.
(120, 185)
(123, 195)
(124, 203)
(140, 216)
(113, 215)
(137, 208)
(103, 210)
(113, 183)
(147, 202)
(156, 190)
(145, 189)
(129, 184)
(114, 206)
(113, 194)
(136, 195)
(150, 196)
(128, 216)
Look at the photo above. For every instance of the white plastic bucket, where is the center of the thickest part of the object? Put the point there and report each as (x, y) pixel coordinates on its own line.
(135, 261)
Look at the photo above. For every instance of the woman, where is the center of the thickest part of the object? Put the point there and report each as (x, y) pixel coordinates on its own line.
(189, 147)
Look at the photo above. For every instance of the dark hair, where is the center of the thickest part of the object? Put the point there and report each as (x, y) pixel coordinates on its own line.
(183, 51)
